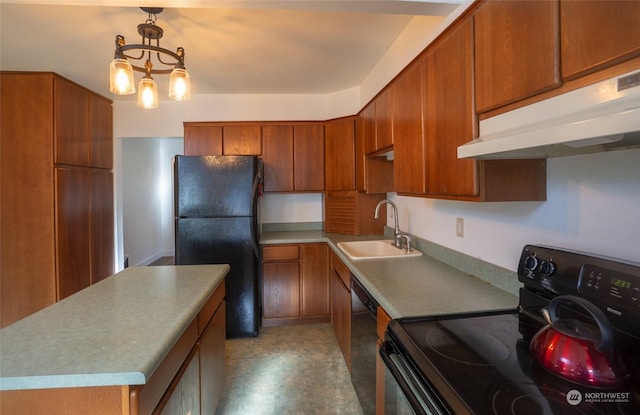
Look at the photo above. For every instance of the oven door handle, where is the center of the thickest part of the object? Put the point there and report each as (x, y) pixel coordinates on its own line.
(416, 397)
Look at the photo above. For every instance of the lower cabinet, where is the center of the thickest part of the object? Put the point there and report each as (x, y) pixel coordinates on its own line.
(341, 306)
(295, 283)
(199, 354)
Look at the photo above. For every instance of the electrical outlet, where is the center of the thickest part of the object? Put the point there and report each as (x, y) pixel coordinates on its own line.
(460, 227)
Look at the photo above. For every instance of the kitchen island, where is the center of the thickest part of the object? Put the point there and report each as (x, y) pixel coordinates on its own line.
(145, 339)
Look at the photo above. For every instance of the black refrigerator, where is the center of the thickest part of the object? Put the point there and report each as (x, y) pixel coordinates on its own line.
(216, 208)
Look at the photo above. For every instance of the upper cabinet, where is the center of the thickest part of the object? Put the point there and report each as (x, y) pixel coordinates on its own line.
(83, 126)
(217, 139)
(277, 158)
(202, 139)
(241, 140)
(340, 154)
(377, 124)
(596, 34)
(308, 157)
(450, 117)
(516, 51)
(408, 130)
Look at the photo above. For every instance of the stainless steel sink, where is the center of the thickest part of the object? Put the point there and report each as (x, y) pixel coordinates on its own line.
(375, 249)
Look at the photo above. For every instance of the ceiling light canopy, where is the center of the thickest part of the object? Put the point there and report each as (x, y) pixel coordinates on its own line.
(121, 71)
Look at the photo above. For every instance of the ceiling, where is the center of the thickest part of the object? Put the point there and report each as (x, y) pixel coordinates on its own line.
(231, 47)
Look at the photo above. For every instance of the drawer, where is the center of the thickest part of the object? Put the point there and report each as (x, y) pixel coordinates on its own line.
(280, 253)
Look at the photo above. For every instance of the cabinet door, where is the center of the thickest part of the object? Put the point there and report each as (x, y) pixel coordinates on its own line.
(183, 396)
(101, 231)
(450, 119)
(314, 269)
(308, 157)
(596, 34)
(212, 362)
(277, 156)
(27, 202)
(73, 261)
(241, 140)
(384, 120)
(408, 146)
(101, 132)
(71, 123)
(202, 140)
(340, 156)
(368, 120)
(281, 292)
(516, 51)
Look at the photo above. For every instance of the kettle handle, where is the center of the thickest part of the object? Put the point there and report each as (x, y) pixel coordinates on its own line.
(604, 326)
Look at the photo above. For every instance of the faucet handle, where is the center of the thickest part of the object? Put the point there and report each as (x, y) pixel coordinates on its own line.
(407, 238)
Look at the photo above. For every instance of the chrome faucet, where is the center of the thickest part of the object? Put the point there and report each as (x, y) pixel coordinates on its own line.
(397, 237)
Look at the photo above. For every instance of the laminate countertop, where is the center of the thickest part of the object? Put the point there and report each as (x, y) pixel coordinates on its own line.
(115, 332)
(412, 286)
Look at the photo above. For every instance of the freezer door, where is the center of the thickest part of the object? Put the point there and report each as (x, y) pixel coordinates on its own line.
(216, 186)
(226, 241)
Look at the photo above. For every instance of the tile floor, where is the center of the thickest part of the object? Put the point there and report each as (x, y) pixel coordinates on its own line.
(288, 370)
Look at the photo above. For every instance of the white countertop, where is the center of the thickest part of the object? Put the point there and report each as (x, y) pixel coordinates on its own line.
(407, 287)
(115, 332)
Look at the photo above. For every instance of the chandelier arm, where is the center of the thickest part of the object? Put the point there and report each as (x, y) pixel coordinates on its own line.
(152, 48)
(153, 71)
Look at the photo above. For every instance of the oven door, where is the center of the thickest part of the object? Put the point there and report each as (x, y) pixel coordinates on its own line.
(405, 392)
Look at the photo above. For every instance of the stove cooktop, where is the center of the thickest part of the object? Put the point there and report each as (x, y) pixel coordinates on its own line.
(482, 363)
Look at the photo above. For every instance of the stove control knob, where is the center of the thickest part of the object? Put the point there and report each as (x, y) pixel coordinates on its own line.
(548, 267)
(531, 263)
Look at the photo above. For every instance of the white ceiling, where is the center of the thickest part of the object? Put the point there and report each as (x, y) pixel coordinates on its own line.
(233, 46)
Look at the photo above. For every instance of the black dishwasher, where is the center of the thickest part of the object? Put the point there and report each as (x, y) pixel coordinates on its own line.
(363, 346)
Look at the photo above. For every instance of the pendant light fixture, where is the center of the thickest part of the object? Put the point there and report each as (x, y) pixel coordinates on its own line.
(121, 71)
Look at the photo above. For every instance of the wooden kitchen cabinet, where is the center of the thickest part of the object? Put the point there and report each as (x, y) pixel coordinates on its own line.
(277, 158)
(295, 283)
(450, 119)
(57, 185)
(308, 157)
(84, 228)
(516, 51)
(409, 166)
(293, 157)
(597, 34)
(241, 140)
(83, 126)
(222, 138)
(340, 154)
(352, 213)
(314, 270)
(378, 131)
(340, 287)
(374, 174)
(202, 139)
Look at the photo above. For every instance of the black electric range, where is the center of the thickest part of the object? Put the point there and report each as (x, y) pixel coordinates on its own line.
(479, 363)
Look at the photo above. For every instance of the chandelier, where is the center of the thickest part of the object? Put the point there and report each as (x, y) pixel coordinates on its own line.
(121, 71)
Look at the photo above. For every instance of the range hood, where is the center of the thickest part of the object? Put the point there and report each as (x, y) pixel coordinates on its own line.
(600, 117)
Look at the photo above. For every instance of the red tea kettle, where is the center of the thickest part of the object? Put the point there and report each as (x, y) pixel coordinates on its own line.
(577, 351)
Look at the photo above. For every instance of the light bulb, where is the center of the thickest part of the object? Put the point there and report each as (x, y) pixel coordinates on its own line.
(121, 77)
(148, 93)
(179, 85)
